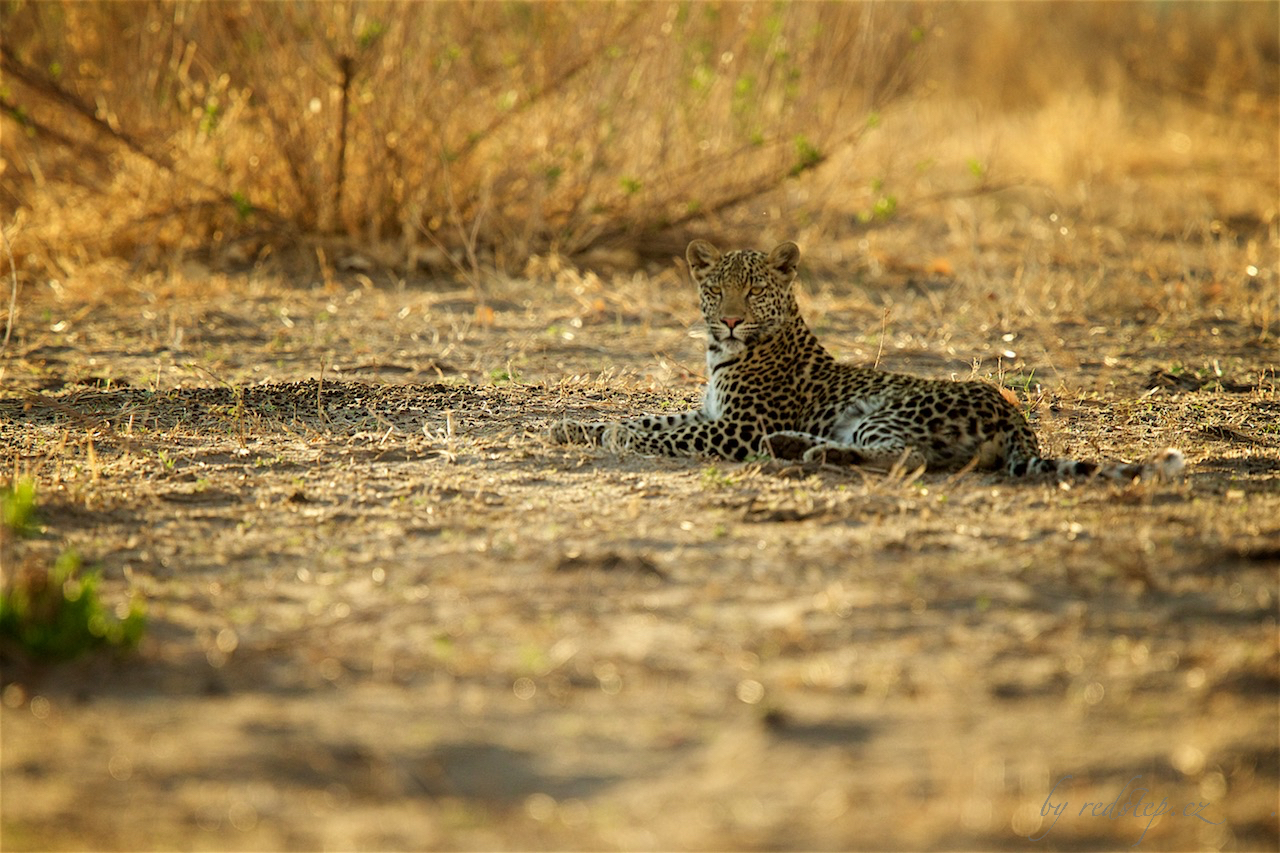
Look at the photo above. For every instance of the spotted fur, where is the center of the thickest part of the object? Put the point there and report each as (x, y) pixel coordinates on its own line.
(772, 389)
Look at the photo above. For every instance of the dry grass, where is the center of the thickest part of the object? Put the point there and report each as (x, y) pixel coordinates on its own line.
(466, 136)
(494, 129)
(385, 613)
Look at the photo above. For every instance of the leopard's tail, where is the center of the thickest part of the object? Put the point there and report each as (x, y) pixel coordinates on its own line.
(1166, 465)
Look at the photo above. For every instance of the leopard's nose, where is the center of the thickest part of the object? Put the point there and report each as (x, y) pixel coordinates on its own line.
(730, 322)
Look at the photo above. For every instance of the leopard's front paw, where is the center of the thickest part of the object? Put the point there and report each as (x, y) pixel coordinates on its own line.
(575, 432)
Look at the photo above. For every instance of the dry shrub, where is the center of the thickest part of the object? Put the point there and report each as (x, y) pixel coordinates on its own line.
(478, 129)
(478, 134)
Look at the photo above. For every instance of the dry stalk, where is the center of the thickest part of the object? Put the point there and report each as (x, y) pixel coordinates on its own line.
(320, 416)
(884, 330)
(13, 293)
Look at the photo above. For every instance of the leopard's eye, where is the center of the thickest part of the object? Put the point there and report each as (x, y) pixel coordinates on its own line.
(755, 291)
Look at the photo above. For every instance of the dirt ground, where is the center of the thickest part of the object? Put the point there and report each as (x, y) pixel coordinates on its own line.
(384, 613)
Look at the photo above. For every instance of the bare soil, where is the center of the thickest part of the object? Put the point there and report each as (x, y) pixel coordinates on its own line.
(385, 613)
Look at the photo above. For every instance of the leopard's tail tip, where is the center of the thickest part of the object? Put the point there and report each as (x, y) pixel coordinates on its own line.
(1169, 464)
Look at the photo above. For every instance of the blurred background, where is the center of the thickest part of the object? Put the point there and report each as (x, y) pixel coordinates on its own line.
(431, 138)
(299, 285)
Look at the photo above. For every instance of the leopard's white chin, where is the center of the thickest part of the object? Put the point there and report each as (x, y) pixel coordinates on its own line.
(723, 350)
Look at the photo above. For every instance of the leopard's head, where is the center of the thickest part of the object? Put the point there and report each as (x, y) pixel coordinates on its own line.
(747, 296)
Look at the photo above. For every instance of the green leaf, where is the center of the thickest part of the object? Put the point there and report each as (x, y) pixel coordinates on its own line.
(372, 31)
(244, 208)
(18, 508)
(807, 155)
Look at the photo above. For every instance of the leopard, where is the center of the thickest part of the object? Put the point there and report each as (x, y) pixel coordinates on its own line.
(774, 392)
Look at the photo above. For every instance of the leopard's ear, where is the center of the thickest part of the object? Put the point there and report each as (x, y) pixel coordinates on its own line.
(702, 258)
(784, 258)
